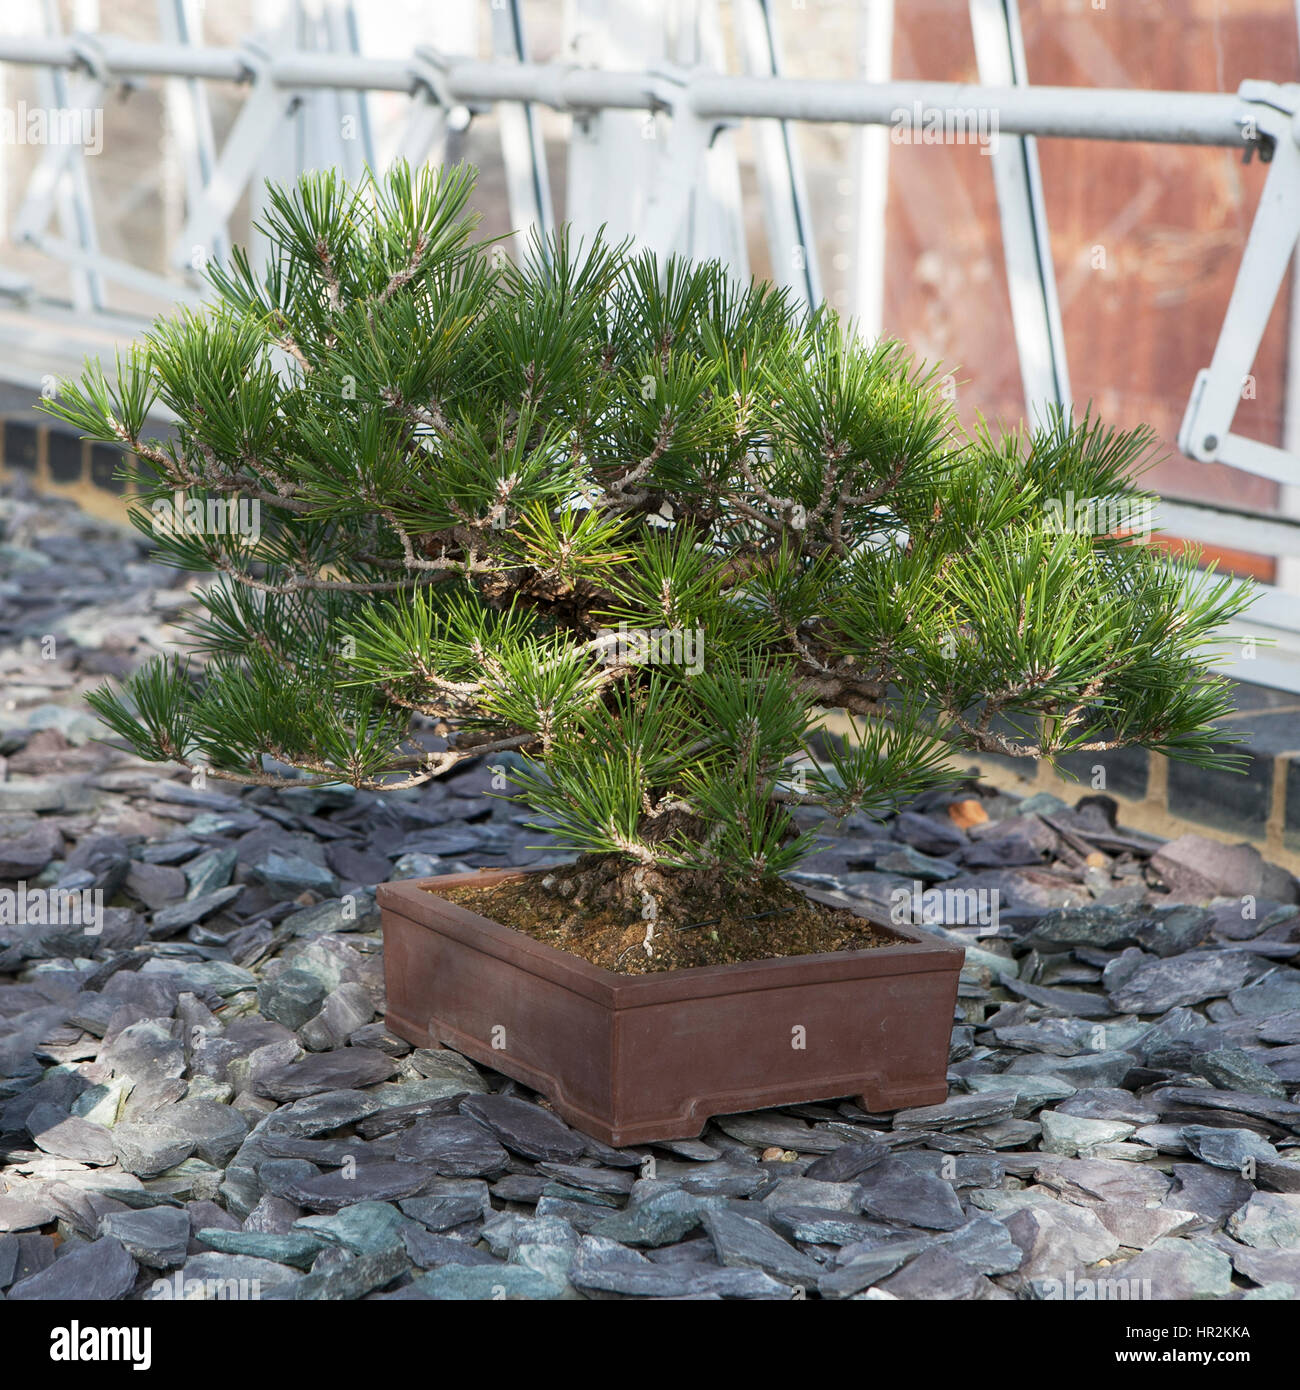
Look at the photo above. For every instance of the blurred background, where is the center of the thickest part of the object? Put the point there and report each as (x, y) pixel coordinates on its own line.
(1145, 239)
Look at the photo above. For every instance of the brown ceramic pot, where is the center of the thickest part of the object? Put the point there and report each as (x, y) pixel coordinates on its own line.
(631, 1058)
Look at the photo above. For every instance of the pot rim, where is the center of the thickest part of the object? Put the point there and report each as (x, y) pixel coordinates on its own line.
(417, 900)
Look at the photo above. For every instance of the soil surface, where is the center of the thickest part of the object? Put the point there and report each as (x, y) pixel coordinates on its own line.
(758, 922)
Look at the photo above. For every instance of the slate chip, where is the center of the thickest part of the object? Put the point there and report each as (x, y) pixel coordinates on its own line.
(346, 1068)
(893, 1191)
(99, 1271)
(526, 1129)
(453, 1146)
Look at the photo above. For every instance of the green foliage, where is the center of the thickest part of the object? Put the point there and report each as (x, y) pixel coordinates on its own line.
(634, 521)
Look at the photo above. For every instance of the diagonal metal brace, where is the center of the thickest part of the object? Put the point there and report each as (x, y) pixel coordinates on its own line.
(1269, 121)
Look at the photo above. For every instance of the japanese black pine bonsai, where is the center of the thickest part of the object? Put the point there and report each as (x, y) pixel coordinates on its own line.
(634, 523)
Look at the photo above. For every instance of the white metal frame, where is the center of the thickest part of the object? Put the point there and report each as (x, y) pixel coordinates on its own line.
(1026, 245)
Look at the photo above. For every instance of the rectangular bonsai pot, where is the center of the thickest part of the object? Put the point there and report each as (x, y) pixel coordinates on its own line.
(633, 1058)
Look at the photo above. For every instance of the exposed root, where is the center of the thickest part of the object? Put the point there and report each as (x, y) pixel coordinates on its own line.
(658, 897)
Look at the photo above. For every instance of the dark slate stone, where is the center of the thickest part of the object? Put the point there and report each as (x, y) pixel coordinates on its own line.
(155, 885)
(1278, 992)
(1092, 1069)
(1109, 1103)
(935, 1274)
(1002, 852)
(147, 1149)
(526, 1129)
(453, 1146)
(1226, 1148)
(633, 1277)
(318, 1114)
(1278, 1174)
(216, 1129)
(213, 1276)
(861, 1268)
(395, 1118)
(1098, 927)
(371, 1182)
(449, 1202)
(296, 1247)
(959, 1111)
(364, 1228)
(56, 1132)
(961, 1170)
(1278, 1112)
(819, 1226)
(99, 1271)
(662, 1219)
(1158, 985)
(1267, 1266)
(928, 833)
(24, 1255)
(771, 1129)
(848, 1161)
(893, 1191)
(432, 1251)
(25, 1210)
(1177, 1268)
(520, 1187)
(1171, 931)
(595, 1179)
(985, 1244)
(291, 874)
(583, 1196)
(278, 1175)
(157, 1236)
(324, 1153)
(1235, 1069)
(379, 1035)
(1212, 1193)
(691, 1281)
(742, 1241)
(186, 913)
(291, 998)
(345, 1069)
(464, 1283)
(1071, 1002)
(59, 1088)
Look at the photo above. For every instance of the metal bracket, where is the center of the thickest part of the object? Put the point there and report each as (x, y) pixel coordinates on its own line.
(689, 138)
(429, 71)
(1269, 121)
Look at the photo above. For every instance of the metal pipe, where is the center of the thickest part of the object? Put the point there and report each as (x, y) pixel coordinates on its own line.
(1180, 118)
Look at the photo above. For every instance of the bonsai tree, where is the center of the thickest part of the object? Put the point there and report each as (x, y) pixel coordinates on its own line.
(628, 529)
